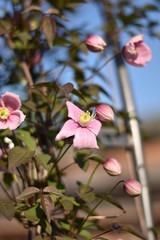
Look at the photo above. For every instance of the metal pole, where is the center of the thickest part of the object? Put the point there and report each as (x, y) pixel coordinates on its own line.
(137, 144)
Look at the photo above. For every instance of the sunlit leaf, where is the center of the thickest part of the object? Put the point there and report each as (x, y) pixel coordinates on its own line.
(54, 190)
(27, 139)
(18, 156)
(44, 160)
(33, 214)
(28, 192)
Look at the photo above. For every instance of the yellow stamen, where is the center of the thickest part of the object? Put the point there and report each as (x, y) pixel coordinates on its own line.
(4, 113)
(85, 118)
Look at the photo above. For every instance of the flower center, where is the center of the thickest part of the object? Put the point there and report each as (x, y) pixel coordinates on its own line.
(131, 51)
(85, 118)
(4, 113)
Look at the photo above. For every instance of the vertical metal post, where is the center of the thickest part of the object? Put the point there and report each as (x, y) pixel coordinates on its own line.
(137, 143)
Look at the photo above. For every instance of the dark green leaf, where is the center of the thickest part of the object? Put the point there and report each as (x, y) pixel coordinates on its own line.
(18, 156)
(48, 27)
(30, 105)
(28, 192)
(27, 139)
(7, 209)
(8, 179)
(39, 237)
(111, 200)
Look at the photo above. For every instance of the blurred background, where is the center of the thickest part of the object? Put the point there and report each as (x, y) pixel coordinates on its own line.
(75, 21)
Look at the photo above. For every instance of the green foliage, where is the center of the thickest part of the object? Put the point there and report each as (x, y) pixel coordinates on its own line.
(19, 155)
(7, 208)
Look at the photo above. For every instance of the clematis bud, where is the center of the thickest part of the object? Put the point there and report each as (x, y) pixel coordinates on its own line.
(104, 113)
(95, 43)
(136, 52)
(132, 187)
(112, 167)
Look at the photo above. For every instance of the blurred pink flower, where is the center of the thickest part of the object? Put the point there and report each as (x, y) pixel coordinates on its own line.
(104, 113)
(136, 52)
(10, 115)
(95, 43)
(112, 166)
(132, 187)
(82, 126)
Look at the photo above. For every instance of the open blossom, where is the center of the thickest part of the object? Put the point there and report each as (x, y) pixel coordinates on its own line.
(95, 43)
(10, 114)
(136, 52)
(82, 125)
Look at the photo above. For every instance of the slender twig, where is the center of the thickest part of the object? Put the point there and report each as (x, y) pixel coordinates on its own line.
(93, 172)
(100, 234)
(6, 192)
(56, 162)
(102, 66)
(27, 73)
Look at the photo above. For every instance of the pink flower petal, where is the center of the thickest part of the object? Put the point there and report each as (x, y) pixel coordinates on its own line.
(73, 111)
(68, 130)
(10, 101)
(94, 126)
(15, 119)
(144, 53)
(84, 139)
(135, 39)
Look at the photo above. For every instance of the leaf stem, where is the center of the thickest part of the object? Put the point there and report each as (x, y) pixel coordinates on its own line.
(91, 176)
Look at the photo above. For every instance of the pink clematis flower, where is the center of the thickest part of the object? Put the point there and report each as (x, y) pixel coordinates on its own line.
(82, 126)
(136, 52)
(10, 115)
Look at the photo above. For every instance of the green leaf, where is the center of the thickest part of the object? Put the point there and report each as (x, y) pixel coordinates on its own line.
(86, 234)
(47, 206)
(39, 237)
(48, 27)
(81, 158)
(68, 203)
(88, 197)
(64, 238)
(111, 200)
(7, 209)
(8, 179)
(30, 105)
(128, 229)
(33, 214)
(46, 226)
(44, 160)
(28, 192)
(65, 225)
(54, 190)
(27, 139)
(4, 133)
(18, 156)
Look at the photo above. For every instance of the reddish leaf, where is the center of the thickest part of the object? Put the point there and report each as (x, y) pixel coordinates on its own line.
(28, 192)
(48, 27)
(47, 206)
(54, 190)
